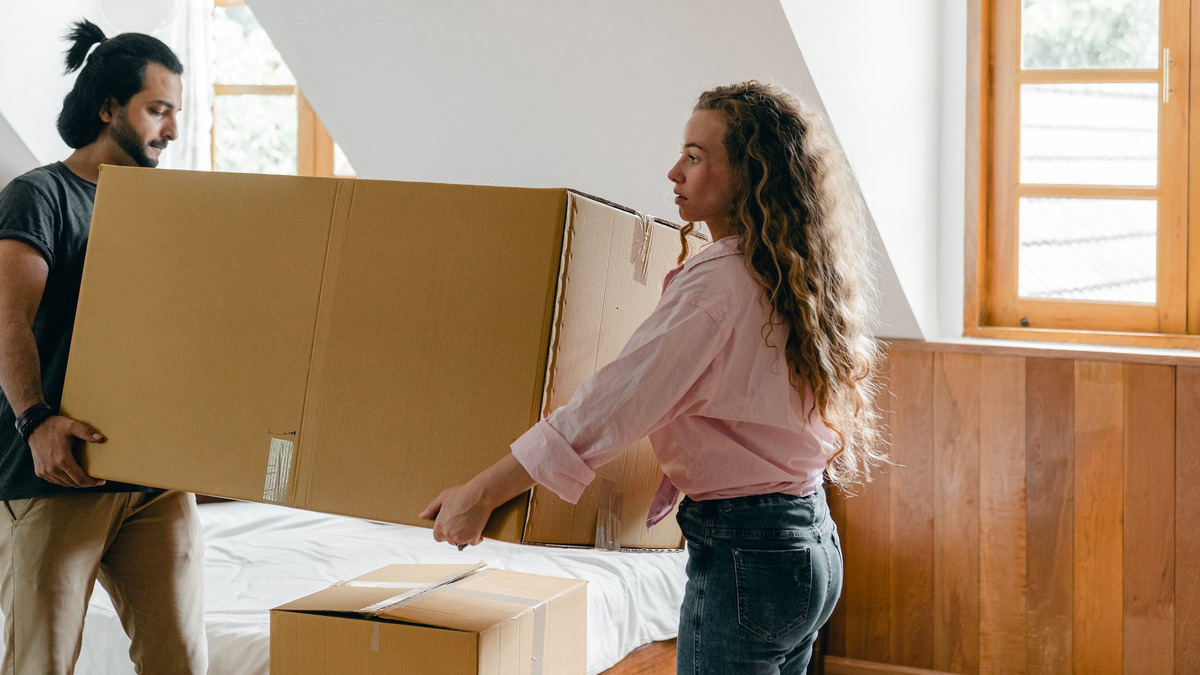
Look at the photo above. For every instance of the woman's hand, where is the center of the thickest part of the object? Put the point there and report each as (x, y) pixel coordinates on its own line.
(459, 516)
(460, 513)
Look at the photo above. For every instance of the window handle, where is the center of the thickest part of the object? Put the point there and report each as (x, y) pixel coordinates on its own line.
(1167, 61)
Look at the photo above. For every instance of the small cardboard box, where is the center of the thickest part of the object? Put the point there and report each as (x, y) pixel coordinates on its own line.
(435, 620)
(355, 346)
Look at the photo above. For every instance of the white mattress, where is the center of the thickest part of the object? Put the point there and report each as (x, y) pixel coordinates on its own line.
(260, 556)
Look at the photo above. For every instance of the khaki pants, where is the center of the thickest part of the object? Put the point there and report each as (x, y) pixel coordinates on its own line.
(146, 550)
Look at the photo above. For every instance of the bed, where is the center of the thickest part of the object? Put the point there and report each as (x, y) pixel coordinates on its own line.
(259, 556)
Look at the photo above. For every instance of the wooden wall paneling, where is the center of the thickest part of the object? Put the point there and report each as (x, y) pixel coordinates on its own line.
(956, 512)
(911, 509)
(866, 598)
(1187, 515)
(1049, 514)
(1098, 544)
(1149, 532)
(1002, 515)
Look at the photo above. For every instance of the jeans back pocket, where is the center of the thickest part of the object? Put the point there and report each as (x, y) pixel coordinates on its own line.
(774, 590)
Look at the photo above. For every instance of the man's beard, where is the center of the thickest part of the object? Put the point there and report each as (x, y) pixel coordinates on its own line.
(127, 139)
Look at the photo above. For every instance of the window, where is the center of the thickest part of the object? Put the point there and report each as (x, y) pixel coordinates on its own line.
(1083, 185)
(261, 121)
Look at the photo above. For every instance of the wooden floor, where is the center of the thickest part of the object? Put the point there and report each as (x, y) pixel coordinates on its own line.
(656, 658)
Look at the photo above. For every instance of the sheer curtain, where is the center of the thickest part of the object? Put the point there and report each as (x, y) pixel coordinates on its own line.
(189, 33)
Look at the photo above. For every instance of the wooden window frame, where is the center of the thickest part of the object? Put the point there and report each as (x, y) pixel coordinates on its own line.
(314, 144)
(991, 308)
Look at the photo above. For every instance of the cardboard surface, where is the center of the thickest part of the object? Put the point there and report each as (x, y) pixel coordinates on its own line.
(610, 290)
(427, 619)
(352, 346)
(194, 331)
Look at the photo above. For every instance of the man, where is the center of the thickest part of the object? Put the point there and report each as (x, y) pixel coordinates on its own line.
(61, 529)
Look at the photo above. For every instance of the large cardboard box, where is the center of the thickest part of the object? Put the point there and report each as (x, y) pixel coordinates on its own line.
(435, 620)
(354, 346)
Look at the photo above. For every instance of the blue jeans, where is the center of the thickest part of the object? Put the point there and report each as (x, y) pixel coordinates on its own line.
(764, 573)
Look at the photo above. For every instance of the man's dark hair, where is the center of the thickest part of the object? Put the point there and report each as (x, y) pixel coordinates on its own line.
(116, 70)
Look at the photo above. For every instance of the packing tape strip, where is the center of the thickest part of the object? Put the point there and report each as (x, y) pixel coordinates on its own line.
(383, 584)
(539, 621)
(279, 471)
(415, 589)
(641, 247)
(393, 601)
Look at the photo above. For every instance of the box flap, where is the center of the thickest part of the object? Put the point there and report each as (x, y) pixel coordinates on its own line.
(481, 600)
(375, 591)
(610, 282)
(456, 597)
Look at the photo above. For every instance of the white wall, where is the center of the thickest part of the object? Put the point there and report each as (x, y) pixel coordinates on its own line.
(546, 93)
(15, 158)
(953, 217)
(32, 84)
(877, 65)
(591, 96)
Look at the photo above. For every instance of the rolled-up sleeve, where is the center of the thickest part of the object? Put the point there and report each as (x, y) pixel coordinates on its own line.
(552, 462)
(28, 216)
(635, 394)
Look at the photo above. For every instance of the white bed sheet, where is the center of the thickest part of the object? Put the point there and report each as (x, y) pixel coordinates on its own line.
(259, 556)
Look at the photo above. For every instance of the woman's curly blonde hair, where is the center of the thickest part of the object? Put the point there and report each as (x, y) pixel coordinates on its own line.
(802, 230)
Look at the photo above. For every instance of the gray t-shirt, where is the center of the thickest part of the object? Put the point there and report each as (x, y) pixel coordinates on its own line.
(50, 209)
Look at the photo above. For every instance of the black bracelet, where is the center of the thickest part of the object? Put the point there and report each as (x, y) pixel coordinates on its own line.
(32, 418)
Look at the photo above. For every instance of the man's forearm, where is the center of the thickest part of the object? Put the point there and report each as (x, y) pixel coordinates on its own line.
(20, 366)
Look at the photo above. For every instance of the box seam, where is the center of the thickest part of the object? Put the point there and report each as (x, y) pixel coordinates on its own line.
(564, 263)
(339, 226)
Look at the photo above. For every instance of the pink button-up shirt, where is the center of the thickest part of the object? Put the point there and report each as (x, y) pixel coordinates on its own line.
(698, 378)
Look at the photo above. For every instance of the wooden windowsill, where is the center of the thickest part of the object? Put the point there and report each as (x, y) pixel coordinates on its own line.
(1181, 350)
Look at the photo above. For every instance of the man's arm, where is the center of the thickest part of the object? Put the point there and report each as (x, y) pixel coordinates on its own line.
(23, 274)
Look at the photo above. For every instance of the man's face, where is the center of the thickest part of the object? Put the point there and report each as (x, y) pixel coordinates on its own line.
(142, 128)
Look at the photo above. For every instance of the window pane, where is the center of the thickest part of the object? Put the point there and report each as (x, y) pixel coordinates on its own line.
(341, 164)
(1088, 249)
(245, 54)
(1089, 34)
(255, 134)
(1089, 134)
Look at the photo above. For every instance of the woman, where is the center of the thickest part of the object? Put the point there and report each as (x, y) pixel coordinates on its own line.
(753, 378)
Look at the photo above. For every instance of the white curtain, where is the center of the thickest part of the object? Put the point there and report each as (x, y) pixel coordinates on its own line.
(189, 33)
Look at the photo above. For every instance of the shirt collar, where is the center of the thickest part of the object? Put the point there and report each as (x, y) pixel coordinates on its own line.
(720, 248)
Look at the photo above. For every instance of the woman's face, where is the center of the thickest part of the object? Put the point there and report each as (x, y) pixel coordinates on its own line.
(702, 177)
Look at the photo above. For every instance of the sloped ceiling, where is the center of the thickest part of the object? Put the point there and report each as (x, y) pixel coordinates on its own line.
(15, 158)
(585, 95)
(537, 93)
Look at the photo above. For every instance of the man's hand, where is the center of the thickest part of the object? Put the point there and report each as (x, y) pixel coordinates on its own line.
(459, 516)
(53, 444)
